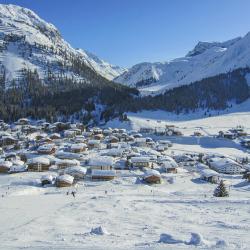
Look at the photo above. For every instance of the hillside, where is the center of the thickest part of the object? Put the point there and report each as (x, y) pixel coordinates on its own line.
(28, 42)
(205, 60)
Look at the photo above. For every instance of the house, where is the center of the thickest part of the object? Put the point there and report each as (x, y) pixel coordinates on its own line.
(101, 163)
(70, 133)
(197, 133)
(77, 172)
(141, 162)
(246, 174)
(55, 136)
(104, 175)
(46, 149)
(140, 142)
(146, 130)
(78, 148)
(152, 177)
(65, 163)
(210, 175)
(48, 179)
(115, 152)
(70, 155)
(166, 143)
(227, 135)
(170, 167)
(225, 165)
(22, 121)
(38, 164)
(98, 137)
(113, 139)
(94, 144)
(7, 141)
(5, 166)
(64, 180)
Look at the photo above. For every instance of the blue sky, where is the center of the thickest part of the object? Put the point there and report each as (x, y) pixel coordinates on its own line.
(126, 32)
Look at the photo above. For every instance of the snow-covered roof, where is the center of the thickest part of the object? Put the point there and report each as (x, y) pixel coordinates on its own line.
(101, 161)
(6, 164)
(39, 160)
(140, 159)
(66, 178)
(78, 146)
(96, 172)
(151, 172)
(75, 170)
(208, 173)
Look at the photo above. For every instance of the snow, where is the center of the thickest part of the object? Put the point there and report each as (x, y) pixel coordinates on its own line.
(206, 60)
(152, 172)
(22, 22)
(66, 178)
(39, 160)
(130, 216)
(101, 161)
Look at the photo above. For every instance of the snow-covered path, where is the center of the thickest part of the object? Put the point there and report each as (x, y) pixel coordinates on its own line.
(134, 215)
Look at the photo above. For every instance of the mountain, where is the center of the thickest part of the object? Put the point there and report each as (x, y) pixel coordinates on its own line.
(42, 76)
(205, 60)
(28, 42)
(103, 68)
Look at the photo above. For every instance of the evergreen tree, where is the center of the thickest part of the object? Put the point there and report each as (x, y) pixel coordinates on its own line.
(221, 190)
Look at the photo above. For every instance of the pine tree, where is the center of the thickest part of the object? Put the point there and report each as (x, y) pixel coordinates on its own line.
(221, 190)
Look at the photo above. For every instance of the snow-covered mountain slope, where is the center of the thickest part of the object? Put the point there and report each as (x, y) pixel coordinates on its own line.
(205, 60)
(105, 69)
(28, 42)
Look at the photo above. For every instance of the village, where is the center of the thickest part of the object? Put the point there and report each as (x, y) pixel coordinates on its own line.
(69, 153)
(59, 165)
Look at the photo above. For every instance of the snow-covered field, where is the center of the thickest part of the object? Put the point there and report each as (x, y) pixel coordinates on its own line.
(180, 213)
(131, 215)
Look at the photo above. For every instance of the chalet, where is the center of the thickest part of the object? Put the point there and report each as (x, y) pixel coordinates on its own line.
(103, 175)
(38, 164)
(141, 162)
(48, 179)
(113, 139)
(46, 149)
(197, 133)
(225, 165)
(65, 163)
(5, 166)
(227, 135)
(69, 155)
(146, 130)
(140, 142)
(70, 133)
(238, 131)
(7, 141)
(94, 144)
(97, 131)
(78, 148)
(101, 163)
(98, 136)
(210, 175)
(55, 136)
(64, 180)
(152, 177)
(60, 126)
(107, 132)
(77, 172)
(165, 143)
(170, 166)
(115, 152)
(23, 121)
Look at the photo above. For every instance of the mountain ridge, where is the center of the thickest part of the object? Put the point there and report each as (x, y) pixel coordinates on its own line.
(205, 60)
